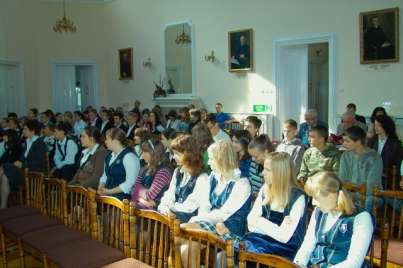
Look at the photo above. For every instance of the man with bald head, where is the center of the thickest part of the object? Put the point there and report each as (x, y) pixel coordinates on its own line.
(311, 120)
(348, 120)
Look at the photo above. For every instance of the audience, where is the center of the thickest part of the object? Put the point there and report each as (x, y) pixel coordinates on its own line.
(182, 198)
(118, 121)
(12, 147)
(339, 233)
(348, 120)
(376, 112)
(388, 145)
(121, 167)
(106, 123)
(133, 121)
(252, 125)
(311, 120)
(91, 164)
(291, 144)
(360, 164)
(153, 180)
(220, 116)
(173, 121)
(351, 107)
(155, 123)
(215, 130)
(167, 136)
(321, 156)
(79, 123)
(240, 142)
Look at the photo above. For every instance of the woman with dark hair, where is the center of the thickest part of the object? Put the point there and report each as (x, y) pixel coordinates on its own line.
(140, 135)
(79, 123)
(388, 145)
(92, 159)
(203, 138)
(182, 196)
(195, 118)
(377, 111)
(184, 120)
(167, 136)
(240, 141)
(33, 159)
(155, 177)
(12, 146)
(173, 121)
(121, 166)
(156, 126)
(146, 119)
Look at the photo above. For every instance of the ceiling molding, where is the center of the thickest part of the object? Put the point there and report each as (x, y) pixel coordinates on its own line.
(79, 1)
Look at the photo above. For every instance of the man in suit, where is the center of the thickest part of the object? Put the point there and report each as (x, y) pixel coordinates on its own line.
(95, 121)
(106, 122)
(132, 119)
(118, 121)
(376, 44)
(351, 107)
(241, 57)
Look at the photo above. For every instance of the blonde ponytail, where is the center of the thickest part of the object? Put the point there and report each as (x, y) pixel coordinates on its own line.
(344, 202)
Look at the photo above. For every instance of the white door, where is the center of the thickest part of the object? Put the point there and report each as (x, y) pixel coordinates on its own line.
(86, 77)
(11, 89)
(292, 84)
(64, 88)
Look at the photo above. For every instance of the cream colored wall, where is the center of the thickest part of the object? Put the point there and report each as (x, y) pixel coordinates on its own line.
(103, 29)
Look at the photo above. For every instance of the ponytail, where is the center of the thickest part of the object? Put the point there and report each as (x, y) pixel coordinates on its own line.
(344, 202)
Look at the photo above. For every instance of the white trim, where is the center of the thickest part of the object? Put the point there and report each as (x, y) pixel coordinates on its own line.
(90, 63)
(193, 48)
(329, 38)
(21, 77)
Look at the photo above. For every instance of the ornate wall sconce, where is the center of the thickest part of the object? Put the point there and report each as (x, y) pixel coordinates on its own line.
(210, 57)
(148, 63)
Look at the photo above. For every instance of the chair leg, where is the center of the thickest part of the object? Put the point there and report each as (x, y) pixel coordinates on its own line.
(3, 248)
(45, 261)
(21, 253)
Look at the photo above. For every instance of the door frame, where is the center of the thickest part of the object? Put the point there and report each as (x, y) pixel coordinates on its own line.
(329, 38)
(21, 79)
(89, 63)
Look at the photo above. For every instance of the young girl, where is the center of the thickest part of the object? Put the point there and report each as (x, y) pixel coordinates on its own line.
(339, 234)
(240, 141)
(121, 166)
(203, 138)
(155, 177)
(140, 136)
(278, 217)
(12, 147)
(167, 136)
(182, 196)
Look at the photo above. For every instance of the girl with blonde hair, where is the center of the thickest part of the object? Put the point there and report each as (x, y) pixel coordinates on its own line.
(277, 220)
(339, 233)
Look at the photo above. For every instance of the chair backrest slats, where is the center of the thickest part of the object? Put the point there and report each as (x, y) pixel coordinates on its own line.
(357, 189)
(34, 189)
(54, 198)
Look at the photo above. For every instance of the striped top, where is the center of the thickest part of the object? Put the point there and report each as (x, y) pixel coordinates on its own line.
(161, 181)
(255, 177)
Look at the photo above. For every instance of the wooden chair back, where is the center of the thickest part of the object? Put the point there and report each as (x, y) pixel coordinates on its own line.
(262, 260)
(391, 179)
(205, 246)
(387, 208)
(54, 198)
(150, 237)
(78, 208)
(47, 159)
(34, 189)
(111, 222)
(357, 190)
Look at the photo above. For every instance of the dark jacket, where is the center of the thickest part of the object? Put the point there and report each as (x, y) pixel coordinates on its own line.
(11, 154)
(36, 158)
(108, 126)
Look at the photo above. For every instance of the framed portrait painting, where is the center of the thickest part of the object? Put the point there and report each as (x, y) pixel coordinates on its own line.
(126, 64)
(240, 50)
(379, 36)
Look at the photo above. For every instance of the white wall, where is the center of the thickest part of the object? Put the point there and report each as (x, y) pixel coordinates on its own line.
(103, 29)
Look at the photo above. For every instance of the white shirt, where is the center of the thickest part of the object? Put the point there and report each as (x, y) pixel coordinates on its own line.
(191, 203)
(130, 130)
(132, 167)
(29, 144)
(282, 233)
(87, 153)
(360, 240)
(221, 135)
(173, 124)
(79, 127)
(237, 198)
(104, 124)
(381, 144)
(70, 154)
(2, 148)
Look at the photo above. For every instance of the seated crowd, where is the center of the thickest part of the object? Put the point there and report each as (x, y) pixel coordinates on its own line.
(238, 185)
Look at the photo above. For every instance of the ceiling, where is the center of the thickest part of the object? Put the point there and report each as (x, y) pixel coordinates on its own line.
(80, 1)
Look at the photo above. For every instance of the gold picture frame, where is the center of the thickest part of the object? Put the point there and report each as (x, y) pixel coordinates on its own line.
(379, 36)
(126, 64)
(240, 51)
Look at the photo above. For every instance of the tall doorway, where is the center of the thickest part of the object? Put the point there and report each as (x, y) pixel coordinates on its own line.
(12, 88)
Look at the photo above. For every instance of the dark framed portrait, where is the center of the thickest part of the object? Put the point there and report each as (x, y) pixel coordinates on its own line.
(240, 50)
(379, 36)
(126, 64)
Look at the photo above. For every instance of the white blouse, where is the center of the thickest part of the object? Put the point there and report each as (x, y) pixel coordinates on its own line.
(360, 240)
(240, 193)
(192, 202)
(283, 232)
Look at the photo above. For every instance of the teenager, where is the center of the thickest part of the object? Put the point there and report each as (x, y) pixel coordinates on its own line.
(240, 141)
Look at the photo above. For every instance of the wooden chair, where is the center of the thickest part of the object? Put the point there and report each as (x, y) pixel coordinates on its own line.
(267, 260)
(78, 209)
(151, 238)
(388, 211)
(205, 245)
(110, 222)
(357, 190)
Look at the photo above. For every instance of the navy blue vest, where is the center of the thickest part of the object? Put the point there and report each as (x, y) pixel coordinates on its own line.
(236, 223)
(116, 173)
(277, 217)
(63, 152)
(332, 246)
(182, 193)
(148, 181)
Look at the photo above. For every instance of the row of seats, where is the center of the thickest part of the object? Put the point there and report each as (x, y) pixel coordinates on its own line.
(73, 227)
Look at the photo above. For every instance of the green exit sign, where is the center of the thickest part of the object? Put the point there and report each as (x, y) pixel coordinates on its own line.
(262, 108)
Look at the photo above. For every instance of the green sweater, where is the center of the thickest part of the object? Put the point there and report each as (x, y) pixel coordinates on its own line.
(314, 161)
(365, 168)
